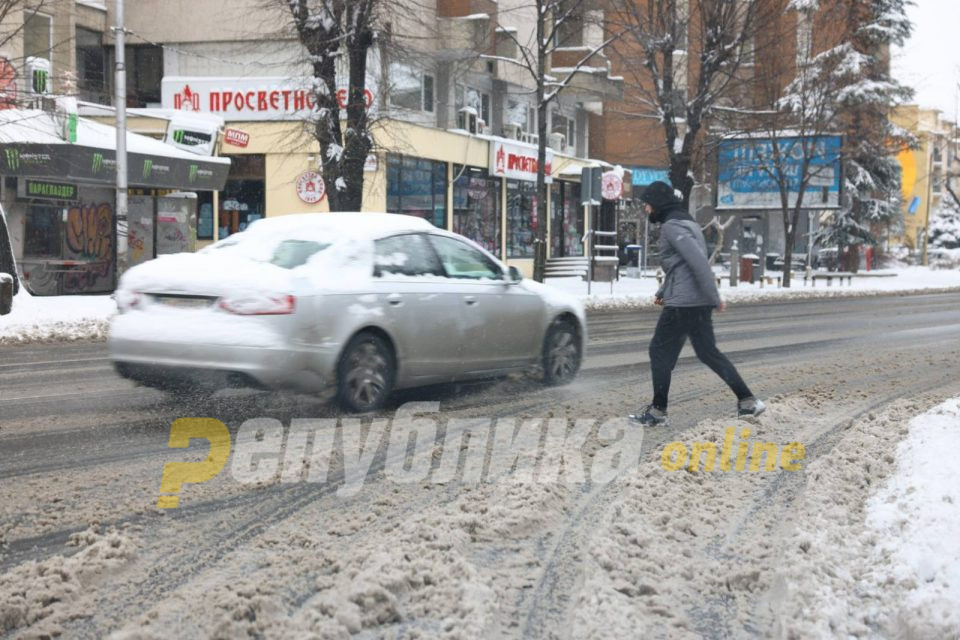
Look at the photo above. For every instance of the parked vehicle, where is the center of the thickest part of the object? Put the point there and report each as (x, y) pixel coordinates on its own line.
(9, 282)
(364, 303)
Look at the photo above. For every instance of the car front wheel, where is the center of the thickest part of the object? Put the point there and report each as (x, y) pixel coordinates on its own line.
(366, 373)
(561, 353)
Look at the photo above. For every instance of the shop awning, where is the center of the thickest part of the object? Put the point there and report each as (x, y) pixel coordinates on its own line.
(32, 146)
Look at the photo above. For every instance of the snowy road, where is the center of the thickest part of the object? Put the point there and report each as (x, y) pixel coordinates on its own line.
(84, 551)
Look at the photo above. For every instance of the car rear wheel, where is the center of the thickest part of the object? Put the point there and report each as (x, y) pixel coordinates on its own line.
(561, 353)
(366, 373)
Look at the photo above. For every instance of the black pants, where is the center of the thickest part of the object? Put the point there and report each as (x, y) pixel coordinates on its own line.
(675, 324)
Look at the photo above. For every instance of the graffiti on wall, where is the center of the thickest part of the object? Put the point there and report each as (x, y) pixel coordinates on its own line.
(88, 238)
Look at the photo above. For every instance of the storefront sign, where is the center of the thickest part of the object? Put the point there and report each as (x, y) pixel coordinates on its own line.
(611, 186)
(82, 164)
(310, 187)
(191, 135)
(236, 137)
(370, 163)
(49, 190)
(268, 98)
(518, 162)
(642, 176)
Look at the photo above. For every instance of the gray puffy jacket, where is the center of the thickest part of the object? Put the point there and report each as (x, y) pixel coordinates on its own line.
(689, 280)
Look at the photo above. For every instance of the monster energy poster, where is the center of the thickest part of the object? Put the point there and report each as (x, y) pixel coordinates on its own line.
(91, 165)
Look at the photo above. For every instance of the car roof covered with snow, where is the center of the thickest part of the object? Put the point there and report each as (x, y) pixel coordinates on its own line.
(357, 225)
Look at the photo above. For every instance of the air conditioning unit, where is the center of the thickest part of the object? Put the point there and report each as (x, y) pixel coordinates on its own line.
(467, 119)
(512, 131)
(530, 138)
(558, 142)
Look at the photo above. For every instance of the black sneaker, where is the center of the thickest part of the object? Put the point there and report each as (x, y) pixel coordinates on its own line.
(750, 407)
(650, 416)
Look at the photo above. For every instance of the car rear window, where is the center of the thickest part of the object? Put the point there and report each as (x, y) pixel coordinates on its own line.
(290, 254)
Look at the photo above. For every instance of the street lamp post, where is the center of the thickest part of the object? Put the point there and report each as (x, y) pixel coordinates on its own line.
(120, 98)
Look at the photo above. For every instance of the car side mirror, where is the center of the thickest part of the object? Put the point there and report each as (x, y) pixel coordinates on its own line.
(6, 293)
(514, 276)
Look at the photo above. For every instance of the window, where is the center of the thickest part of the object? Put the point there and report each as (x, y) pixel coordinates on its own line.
(290, 254)
(406, 255)
(474, 99)
(243, 198)
(37, 36)
(91, 66)
(144, 73)
(460, 260)
(42, 232)
(522, 114)
(568, 24)
(521, 218)
(411, 88)
(566, 126)
(417, 187)
(567, 225)
(476, 207)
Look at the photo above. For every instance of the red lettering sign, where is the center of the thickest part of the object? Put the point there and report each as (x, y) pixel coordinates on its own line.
(236, 137)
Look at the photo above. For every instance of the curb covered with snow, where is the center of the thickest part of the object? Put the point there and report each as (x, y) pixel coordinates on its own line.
(627, 303)
(56, 318)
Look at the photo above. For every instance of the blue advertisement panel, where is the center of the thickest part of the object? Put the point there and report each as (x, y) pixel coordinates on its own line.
(747, 179)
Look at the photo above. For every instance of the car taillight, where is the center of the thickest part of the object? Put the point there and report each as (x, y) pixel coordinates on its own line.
(127, 300)
(259, 305)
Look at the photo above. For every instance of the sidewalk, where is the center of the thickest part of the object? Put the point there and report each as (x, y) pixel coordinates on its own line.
(65, 318)
(637, 293)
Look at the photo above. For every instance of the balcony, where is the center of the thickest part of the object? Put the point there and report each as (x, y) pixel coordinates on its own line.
(591, 81)
(465, 8)
(467, 26)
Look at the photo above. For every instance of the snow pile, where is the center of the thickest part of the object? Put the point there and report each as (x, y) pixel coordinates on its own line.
(881, 565)
(917, 516)
(39, 596)
(39, 319)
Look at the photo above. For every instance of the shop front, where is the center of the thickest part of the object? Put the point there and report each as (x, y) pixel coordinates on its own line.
(60, 198)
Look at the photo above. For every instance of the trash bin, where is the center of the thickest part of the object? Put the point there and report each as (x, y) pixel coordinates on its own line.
(6, 294)
(746, 269)
(633, 260)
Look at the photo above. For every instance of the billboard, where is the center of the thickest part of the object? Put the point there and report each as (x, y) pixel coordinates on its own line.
(744, 168)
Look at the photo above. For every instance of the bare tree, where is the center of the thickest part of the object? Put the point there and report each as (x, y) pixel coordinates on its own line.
(682, 61)
(834, 92)
(557, 24)
(338, 34)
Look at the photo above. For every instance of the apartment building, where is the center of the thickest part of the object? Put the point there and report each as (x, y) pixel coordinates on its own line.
(925, 170)
(631, 133)
(447, 85)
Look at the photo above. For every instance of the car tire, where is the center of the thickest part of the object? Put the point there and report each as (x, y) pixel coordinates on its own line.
(366, 373)
(561, 353)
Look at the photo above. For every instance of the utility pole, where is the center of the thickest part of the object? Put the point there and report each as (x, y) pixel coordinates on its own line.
(120, 98)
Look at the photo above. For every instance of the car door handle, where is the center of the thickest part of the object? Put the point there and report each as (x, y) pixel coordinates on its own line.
(395, 299)
(470, 300)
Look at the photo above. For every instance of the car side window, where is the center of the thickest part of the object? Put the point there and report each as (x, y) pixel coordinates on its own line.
(460, 260)
(407, 255)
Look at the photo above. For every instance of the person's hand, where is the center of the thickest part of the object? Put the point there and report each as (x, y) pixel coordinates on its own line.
(658, 301)
(721, 307)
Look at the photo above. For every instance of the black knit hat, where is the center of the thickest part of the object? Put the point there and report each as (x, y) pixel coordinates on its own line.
(659, 195)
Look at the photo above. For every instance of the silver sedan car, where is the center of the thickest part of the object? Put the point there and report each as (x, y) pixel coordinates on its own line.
(359, 303)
